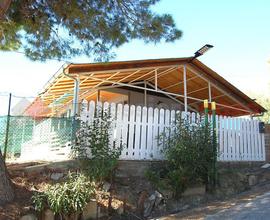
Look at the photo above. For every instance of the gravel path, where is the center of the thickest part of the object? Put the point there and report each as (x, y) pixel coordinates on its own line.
(257, 208)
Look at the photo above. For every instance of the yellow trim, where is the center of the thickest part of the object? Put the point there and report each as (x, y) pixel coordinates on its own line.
(213, 105)
(205, 103)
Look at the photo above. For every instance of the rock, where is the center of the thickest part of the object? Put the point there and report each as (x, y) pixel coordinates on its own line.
(56, 176)
(90, 210)
(265, 176)
(241, 177)
(148, 207)
(158, 198)
(29, 217)
(252, 180)
(120, 210)
(153, 201)
(265, 166)
(48, 215)
(167, 194)
(106, 186)
(142, 198)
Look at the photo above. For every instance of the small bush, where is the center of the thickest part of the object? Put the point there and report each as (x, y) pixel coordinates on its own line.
(97, 154)
(190, 155)
(66, 198)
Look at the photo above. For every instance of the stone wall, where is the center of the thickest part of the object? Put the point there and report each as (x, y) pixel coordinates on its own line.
(267, 142)
(137, 168)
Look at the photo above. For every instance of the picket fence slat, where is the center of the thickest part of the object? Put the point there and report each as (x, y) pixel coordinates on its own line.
(124, 140)
(113, 129)
(150, 145)
(143, 146)
(131, 153)
(139, 131)
(155, 135)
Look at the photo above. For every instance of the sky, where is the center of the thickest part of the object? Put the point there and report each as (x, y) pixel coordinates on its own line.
(239, 31)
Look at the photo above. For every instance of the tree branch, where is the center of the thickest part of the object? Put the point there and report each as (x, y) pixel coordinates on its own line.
(4, 6)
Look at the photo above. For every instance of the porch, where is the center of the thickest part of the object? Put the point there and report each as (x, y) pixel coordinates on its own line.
(144, 98)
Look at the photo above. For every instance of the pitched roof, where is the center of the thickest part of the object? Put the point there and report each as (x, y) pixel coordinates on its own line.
(230, 100)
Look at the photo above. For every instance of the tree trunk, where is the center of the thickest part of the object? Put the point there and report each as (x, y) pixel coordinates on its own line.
(6, 189)
(4, 6)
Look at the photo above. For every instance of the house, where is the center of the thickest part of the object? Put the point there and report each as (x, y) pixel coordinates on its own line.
(144, 97)
(20, 107)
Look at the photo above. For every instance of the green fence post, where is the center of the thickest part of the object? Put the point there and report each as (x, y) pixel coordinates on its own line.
(213, 108)
(7, 128)
(74, 128)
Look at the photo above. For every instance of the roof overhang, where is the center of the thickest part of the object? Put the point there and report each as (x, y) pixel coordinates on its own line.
(166, 76)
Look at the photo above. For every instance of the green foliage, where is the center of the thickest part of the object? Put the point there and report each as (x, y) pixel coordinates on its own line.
(265, 102)
(66, 198)
(40, 201)
(190, 155)
(47, 29)
(98, 156)
(157, 175)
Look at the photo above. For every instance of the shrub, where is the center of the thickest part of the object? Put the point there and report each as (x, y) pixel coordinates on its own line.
(190, 155)
(66, 198)
(97, 154)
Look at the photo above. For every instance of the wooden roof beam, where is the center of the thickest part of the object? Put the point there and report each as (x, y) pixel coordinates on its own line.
(218, 86)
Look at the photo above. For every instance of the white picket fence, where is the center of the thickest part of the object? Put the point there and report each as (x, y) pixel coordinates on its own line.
(137, 128)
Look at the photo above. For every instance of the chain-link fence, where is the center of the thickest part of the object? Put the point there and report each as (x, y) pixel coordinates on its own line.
(29, 137)
(26, 138)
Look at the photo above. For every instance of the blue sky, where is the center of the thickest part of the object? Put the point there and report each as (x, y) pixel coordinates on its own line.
(239, 30)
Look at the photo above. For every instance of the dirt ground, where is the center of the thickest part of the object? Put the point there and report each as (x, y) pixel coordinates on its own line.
(25, 186)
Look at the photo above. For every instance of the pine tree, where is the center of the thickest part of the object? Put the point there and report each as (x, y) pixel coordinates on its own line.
(62, 29)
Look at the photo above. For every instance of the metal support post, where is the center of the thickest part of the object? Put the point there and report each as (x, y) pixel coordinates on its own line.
(185, 88)
(209, 92)
(156, 81)
(145, 94)
(7, 128)
(76, 97)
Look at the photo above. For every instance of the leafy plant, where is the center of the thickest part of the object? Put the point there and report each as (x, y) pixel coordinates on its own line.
(67, 198)
(95, 149)
(190, 155)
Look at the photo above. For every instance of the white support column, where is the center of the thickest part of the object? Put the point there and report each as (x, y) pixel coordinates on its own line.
(156, 80)
(76, 96)
(185, 88)
(209, 92)
(145, 94)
